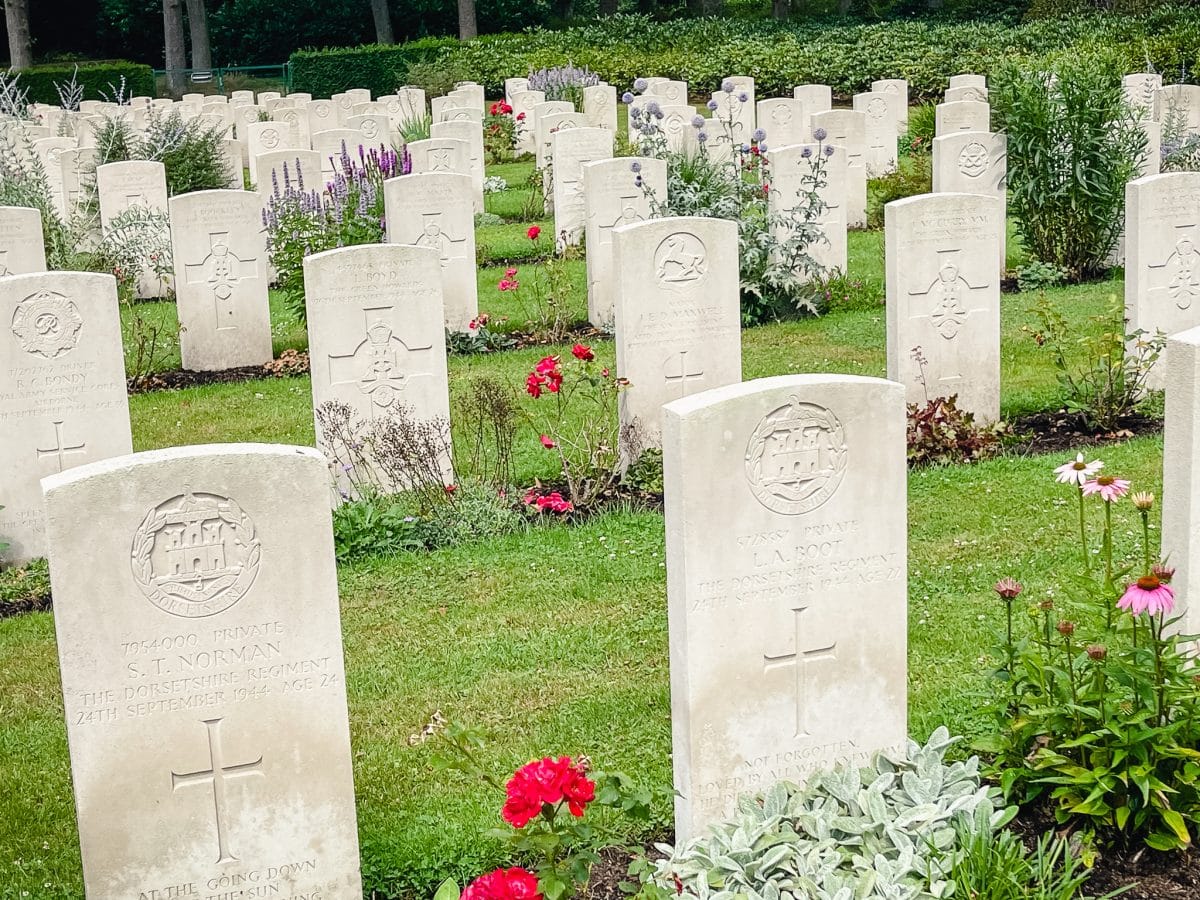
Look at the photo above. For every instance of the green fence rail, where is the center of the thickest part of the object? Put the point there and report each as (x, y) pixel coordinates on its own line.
(176, 82)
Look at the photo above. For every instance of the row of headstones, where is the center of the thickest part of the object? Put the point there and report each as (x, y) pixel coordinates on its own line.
(205, 714)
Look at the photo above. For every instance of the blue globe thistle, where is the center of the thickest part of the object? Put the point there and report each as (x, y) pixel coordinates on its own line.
(727, 85)
(762, 146)
(829, 149)
(636, 113)
(639, 84)
(820, 134)
(627, 97)
(635, 167)
(702, 137)
(637, 182)
(653, 109)
(759, 135)
(712, 104)
(743, 97)
(745, 148)
(697, 121)
(806, 153)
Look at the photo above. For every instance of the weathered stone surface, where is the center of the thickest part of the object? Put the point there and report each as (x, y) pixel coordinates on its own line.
(678, 317)
(943, 299)
(22, 248)
(205, 697)
(570, 151)
(63, 399)
(220, 280)
(786, 583)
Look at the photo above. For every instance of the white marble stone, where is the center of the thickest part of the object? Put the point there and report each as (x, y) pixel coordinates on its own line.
(678, 317)
(437, 209)
(523, 103)
(376, 129)
(233, 151)
(440, 155)
(677, 125)
(63, 401)
(968, 80)
(549, 117)
(328, 145)
(794, 173)
(1162, 256)
(322, 115)
(669, 93)
(1181, 471)
(221, 280)
(268, 137)
(22, 246)
(897, 88)
(205, 696)
(974, 162)
(122, 185)
(613, 197)
(955, 94)
(1180, 102)
(514, 86)
(943, 297)
(376, 326)
(786, 543)
(846, 129)
(882, 132)
(962, 115)
(600, 106)
(297, 119)
(570, 151)
(817, 98)
(784, 120)
(49, 153)
(471, 134)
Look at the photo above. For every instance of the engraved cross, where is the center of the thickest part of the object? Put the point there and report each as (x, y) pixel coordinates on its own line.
(681, 374)
(59, 450)
(216, 775)
(800, 660)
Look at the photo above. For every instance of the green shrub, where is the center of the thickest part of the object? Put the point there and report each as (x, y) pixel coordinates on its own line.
(779, 55)
(913, 176)
(380, 68)
(97, 79)
(922, 128)
(378, 525)
(1073, 143)
(24, 588)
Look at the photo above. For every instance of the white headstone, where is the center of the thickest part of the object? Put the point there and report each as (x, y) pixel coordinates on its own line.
(440, 155)
(786, 528)
(968, 80)
(513, 86)
(1181, 102)
(376, 328)
(122, 185)
(600, 106)
(612, 197)
(784, 121)
(205, 697)
(973, 162)
(49, 152)
(297, 119)
(795, 171)
(882, 132)
(322, 115)
(471, 134)
(846, 130)
(669, 93)
(376, 129)
(546, 123)
(571, 150)
(815, 97)
(232, 151)
(1181, 471)
(962, 115)
(64, 399)
(898, 89)
(1162, 256)
(220, 280)
(22, 247)
(1141, 93)
(678, 317)
(943, 299)
(437, 209)
(523, 104)
(268, 137)
(966, 93)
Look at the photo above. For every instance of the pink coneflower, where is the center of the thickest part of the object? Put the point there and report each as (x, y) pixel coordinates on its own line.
(1077, 471)
(1147, 594)
(1109, 487)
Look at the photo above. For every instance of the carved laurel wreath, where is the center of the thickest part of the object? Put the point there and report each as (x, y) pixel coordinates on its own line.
(777, 497)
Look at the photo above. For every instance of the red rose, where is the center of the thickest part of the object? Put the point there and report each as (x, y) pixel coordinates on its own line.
(533, 232)
(521, 117)
(503, 884)
(546, 365)
(580, 790)
(554, 381)
(533, 384)
(547, 442)
(582, 352)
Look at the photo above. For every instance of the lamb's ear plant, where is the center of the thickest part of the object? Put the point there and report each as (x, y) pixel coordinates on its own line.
(890, 829)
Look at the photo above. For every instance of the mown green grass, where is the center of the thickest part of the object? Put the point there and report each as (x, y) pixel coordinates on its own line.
(555, 640)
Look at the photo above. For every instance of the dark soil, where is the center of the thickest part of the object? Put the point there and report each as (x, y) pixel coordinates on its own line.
(289, 363)
(1148, 874)
(1052, 432)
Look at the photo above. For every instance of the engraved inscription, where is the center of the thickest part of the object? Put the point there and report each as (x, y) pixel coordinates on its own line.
(680, 259)
(215, 775)
(47, 324)
(269, 138)
(221, 270)
(195, 555)
(434, 235)
(796, 458)
(1182, 269)
(949, 312)
(374, 365)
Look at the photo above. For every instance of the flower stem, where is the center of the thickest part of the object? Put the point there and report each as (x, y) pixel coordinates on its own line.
(1083, 543)
(1108, 566)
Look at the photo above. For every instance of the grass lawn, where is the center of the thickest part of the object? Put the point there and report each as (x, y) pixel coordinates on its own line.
(555, 640)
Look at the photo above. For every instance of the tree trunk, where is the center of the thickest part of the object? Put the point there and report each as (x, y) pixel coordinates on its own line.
(608, 7)
(564, 9)
(781, 9)
(647, 7)
(383, 22)
(198, 23)
(20, 43)
(175, 54)
(466, 20)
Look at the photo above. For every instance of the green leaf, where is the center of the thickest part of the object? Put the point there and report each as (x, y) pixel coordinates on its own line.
(447, 890)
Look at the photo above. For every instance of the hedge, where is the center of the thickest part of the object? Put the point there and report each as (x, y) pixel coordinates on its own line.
(378, 67)
(99, 80)
(782, 55)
